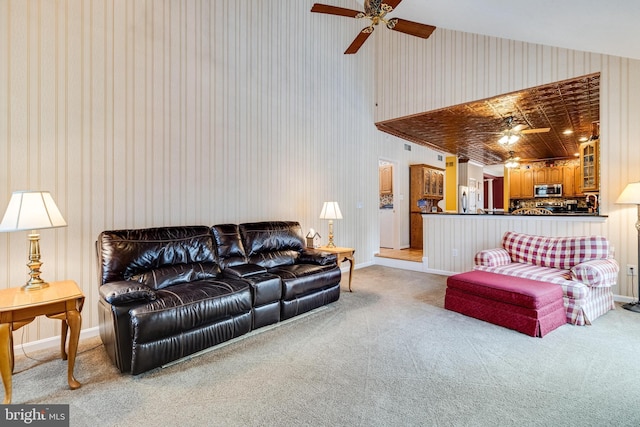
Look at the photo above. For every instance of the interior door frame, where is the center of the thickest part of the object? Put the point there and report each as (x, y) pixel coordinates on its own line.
(396, 200)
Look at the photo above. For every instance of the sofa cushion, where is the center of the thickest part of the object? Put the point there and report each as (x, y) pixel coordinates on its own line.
(554, 252)
(301, 279)
(570, 288)
(272, 243)
(126, 291)
(566, 252)
(598, 272)
(524, 248)
(178, 273)
(126, 253)
(186, 306)
(228, 245)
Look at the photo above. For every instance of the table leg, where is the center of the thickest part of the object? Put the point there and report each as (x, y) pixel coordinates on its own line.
(350, 271)
(6, 360)
(63, 339)
(74, 320)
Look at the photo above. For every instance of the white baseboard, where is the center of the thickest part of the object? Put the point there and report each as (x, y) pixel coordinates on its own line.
(52, 342)
(399, 263)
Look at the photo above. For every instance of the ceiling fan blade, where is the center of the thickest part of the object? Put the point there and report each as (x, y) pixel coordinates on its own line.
(358, 41)
(392, 3)
(539, 130)
(413, 28)
(333, 10)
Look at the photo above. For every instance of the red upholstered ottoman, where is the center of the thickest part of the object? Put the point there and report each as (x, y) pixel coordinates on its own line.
(528, 306)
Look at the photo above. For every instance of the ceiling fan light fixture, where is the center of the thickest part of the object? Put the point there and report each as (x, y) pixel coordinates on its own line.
(512, 162)
(509, 138)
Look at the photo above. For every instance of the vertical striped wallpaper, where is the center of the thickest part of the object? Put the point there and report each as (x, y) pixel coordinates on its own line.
(149, 113)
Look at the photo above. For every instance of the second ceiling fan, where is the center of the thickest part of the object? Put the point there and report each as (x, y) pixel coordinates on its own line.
(512, 133)
(376, 11)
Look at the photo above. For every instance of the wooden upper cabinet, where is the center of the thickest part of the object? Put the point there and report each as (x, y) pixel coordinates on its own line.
(548, 175)
(589, 165)
(540, 176)
(554, 175)
(526, 184)
(521, 183)
(515, 186)
(386, 179)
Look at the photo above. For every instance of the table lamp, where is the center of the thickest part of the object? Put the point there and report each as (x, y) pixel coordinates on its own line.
(631, 196)
(32, 210)
(330, 211)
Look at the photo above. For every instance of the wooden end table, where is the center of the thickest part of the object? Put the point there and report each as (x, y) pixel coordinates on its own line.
(60, 300)
(343, 254)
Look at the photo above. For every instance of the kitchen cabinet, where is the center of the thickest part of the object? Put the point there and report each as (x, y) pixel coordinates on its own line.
(521, 183)
(571, 181)
(589, 165)
(425, 183)
(415, 238)
(548, 175)
(386, 179)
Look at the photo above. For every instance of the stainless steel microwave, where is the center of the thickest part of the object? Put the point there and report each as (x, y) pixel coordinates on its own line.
(547, 190)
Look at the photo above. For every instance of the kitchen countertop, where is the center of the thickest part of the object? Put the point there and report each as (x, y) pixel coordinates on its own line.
(568, 214)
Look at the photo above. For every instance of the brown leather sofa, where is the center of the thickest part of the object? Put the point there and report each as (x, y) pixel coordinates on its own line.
(169, 292)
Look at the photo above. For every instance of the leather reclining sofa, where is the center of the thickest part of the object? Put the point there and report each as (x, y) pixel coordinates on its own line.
(169, 292)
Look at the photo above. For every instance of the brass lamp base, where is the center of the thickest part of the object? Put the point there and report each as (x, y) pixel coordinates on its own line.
(34, 286)
(35, 282)
(331, 244)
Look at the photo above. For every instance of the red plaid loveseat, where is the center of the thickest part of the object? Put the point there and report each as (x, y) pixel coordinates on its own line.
(583, 266)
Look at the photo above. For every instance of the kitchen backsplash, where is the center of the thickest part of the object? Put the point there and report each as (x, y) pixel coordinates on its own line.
(386, 200)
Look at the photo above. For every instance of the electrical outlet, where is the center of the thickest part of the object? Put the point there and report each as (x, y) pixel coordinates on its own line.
(632, 270)
(454, 252)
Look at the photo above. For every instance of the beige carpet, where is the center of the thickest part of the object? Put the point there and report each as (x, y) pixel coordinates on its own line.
(387, 354)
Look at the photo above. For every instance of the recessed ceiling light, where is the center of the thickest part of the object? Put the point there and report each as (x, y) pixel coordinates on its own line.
(583, 139)
(568, 132)
(576, 154)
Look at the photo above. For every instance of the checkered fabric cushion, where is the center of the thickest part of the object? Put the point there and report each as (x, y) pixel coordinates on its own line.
(492, 257)
(524, 248)
(599, 272)
(554, 252)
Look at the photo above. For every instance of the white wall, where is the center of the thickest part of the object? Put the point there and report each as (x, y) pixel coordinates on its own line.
(451, 67)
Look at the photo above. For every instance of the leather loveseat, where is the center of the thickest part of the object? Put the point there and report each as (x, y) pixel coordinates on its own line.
(169, 292)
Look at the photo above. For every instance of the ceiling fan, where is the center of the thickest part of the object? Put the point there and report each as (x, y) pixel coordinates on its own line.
(376, 11)
(512, 162)
(512, 133)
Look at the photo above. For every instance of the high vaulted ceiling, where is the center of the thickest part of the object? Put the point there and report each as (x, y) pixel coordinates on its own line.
(472, 130)
(609, 27)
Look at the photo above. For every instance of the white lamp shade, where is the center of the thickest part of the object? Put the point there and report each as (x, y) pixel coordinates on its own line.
(31, 210)
(630, 195)
(330, 210)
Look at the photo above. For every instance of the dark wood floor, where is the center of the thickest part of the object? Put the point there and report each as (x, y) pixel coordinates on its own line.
(414, 255)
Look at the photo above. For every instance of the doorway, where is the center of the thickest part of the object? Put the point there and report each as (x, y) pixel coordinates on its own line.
(387, 207)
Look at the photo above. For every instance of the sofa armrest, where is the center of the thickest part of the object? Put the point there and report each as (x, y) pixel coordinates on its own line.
(317, 257)
(126, 291)
(597, 272)
(243, 270)
(492, 257)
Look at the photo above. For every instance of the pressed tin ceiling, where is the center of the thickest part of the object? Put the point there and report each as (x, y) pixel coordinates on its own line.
(471, 130)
